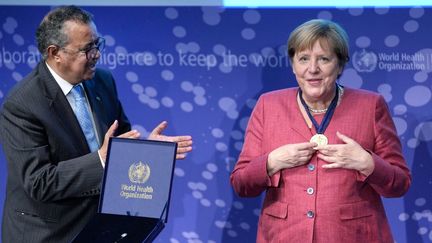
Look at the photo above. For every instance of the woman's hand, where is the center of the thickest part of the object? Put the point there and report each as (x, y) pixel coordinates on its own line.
(289, 156)
(349, 155)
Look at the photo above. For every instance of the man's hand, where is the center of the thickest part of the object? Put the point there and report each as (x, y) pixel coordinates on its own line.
(104, 148)
(184, 143)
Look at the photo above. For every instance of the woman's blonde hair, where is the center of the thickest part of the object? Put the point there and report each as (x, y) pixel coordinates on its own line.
(304, 37)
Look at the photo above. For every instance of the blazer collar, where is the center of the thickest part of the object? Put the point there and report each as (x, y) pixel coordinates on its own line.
(61, 109)
(97, 106)
(298, 123)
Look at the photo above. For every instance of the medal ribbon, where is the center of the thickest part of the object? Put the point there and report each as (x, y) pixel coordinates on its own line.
(328, 115)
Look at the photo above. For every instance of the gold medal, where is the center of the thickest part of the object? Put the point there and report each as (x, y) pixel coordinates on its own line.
(319, 139)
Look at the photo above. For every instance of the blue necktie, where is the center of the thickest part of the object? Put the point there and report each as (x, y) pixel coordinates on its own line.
(83, 116)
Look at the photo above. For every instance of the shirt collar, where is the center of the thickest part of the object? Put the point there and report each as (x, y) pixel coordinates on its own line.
(65, 86)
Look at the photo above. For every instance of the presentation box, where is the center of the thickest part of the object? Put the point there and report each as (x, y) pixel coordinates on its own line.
(135, 195)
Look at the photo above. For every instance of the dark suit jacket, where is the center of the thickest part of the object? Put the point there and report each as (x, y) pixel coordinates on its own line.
(309, 203)
(53, 180)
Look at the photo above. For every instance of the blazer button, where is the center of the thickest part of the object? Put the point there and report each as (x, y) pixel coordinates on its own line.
(310, 191)
(310, 214)
(311, 167)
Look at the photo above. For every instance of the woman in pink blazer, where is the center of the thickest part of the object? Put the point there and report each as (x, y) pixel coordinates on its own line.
(324, 154)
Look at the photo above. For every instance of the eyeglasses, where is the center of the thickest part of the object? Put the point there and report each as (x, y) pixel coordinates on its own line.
(91, 51)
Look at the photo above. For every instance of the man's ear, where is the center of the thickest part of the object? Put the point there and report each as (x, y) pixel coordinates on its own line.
(53, 52)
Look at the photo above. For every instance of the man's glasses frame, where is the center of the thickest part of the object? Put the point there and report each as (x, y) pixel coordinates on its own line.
(91, 51)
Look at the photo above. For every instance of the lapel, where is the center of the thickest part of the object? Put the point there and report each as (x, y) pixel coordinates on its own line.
(61, 109)
(97, 106)
(297, 121)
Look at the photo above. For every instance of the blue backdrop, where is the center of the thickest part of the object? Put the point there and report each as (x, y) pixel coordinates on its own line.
(203, 68)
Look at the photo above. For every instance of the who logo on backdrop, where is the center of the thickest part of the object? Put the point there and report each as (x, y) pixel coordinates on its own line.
(365, 61)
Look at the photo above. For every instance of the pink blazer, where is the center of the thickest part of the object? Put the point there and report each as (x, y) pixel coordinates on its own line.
(312, 204)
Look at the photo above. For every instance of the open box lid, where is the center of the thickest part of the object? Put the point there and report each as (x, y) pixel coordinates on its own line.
(138, 178)
(135, 195)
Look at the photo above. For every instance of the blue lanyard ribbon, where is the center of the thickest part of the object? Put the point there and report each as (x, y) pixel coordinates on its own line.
(328, 115)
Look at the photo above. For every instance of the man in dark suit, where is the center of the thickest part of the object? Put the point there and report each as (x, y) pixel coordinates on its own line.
(54, 168)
